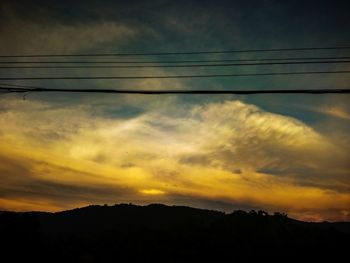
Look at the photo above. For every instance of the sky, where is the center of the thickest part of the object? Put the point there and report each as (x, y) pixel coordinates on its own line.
(287, 153)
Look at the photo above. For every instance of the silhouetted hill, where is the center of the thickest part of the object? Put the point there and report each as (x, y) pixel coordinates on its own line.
(159, 233)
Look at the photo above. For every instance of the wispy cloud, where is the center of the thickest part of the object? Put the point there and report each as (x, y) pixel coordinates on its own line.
(20, 35)
(334, 111)
(230, 151)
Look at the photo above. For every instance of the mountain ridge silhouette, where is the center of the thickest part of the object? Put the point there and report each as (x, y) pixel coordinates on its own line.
(157, 232)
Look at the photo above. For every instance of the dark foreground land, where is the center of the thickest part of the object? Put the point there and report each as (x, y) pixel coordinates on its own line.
(159, 233)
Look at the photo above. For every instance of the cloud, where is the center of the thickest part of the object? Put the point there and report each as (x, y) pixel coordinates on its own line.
(334, 111)
(23, 35)
(239, 136)
(230, 152)
(152, 192)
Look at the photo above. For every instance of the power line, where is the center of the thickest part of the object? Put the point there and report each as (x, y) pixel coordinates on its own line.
(180, 76)
(145, 92)
(182, 65)
(175, 61)
(6, 85)
(177, 53)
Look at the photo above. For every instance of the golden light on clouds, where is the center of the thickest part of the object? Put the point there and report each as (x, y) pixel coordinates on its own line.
(335, 111)
(152, 192)
(60, 157)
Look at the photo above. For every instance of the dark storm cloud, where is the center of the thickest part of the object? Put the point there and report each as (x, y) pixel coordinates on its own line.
(270, 22)
(146, 26)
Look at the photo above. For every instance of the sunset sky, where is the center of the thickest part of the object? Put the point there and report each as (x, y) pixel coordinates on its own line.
(287, 153)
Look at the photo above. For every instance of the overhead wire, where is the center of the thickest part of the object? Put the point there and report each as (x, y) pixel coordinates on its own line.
(179, 53)
(176, 61)
(179, 76)
(182, 65)
(202, 91)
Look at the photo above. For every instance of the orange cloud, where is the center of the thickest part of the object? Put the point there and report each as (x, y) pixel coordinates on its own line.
(230, 151)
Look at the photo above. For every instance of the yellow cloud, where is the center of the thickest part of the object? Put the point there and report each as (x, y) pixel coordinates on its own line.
(152, 192)
(335, 111)
(218, 151)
